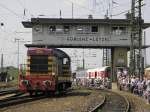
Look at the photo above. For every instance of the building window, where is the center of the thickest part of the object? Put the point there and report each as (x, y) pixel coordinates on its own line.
(66, 29)
(114, 30)
(52, 28)
(118, 30)
(122, 29)
(94, 29)
(79, 29)
(87, 29)
(38, 28)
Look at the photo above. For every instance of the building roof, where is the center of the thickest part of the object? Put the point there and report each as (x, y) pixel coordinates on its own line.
(98, 69)
(34, 21)
(71, 46)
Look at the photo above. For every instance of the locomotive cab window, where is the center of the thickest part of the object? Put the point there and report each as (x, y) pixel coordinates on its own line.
(65, 61)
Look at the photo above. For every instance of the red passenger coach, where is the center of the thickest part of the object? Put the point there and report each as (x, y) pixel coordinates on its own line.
(47, 70)
(99, 73)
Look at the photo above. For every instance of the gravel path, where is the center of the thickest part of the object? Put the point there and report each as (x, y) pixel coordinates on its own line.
(76, 101)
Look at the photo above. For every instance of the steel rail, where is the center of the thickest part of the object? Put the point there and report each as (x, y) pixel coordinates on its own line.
(104, 102)
(18, 100)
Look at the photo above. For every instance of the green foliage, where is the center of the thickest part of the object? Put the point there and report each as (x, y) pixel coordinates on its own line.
(12, 71)
(147, 66)
(79, 68)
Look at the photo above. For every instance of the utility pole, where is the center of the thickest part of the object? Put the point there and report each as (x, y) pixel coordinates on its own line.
(145, 63)
(17, 40)
(18, 47)
(83, 60)
(106, 52)
(2, 63)
(132, 61)
(72, 10)
(140, 38)
(136, 35)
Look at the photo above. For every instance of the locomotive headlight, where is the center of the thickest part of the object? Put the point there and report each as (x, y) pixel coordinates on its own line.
(47, 82)
(25, 82)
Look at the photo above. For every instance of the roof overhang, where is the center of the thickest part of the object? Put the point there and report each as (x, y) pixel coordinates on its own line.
(71, 46)
(35, 21)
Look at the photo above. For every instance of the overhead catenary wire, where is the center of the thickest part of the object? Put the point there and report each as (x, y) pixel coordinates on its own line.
(123, 12)
(84, 7)
(11, 11)
(20, 16)
(24, 8)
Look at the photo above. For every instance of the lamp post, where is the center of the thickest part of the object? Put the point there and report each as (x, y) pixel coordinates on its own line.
(18, 46)
(17, 40)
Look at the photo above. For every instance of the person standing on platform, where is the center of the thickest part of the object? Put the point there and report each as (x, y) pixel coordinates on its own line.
(148, 88)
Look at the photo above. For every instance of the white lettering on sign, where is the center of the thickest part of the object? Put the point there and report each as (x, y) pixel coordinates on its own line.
(88, 39)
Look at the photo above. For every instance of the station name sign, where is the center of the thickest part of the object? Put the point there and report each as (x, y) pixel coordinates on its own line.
(83, 40)
(94, 39)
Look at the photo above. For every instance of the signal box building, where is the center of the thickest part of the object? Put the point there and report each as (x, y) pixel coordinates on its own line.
(84, 33)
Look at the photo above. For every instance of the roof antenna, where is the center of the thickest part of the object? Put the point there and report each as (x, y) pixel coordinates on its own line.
(72, 10)
(60, 14)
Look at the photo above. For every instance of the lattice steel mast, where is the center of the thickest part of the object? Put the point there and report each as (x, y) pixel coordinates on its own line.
(136, 35)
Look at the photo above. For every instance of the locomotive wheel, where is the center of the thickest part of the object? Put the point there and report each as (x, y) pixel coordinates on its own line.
(49, 93)
(31, 93)
(37, 92)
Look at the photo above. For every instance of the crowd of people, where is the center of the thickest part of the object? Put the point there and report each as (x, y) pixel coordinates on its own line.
(96, 83)
(134, 84)
(125, 82)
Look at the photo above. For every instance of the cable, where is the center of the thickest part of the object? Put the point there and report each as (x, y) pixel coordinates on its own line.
(81, 6)
(11, 11)
(85, 7)
(25, 9)
(120, 13)
(19, 1)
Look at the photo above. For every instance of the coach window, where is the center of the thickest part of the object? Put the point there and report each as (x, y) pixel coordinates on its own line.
(94, 29)
(52, 28)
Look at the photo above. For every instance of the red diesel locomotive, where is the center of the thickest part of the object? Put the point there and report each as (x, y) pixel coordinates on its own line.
(47, 70)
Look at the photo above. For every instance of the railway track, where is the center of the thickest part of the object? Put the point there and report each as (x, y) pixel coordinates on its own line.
(18, 99)
(113, 102)
(8, 91)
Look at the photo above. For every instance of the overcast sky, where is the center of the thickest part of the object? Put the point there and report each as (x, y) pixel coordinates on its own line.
(12, 14)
